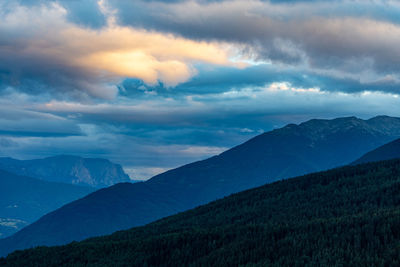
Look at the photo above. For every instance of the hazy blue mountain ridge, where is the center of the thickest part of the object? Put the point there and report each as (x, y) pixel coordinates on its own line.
(385, 152)
(23, 199)
(282, 153)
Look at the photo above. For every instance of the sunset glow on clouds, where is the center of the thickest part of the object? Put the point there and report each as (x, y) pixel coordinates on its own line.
(105, 55)
(139, 81)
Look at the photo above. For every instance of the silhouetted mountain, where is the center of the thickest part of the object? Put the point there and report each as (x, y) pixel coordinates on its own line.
(68, 169)
(23, 199)
(385, 152)
(343, 217)
(292, 150)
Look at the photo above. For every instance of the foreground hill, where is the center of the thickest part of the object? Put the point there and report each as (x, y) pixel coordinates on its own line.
(290, 151)
(343, 217)
(23, 199)
(68, 169)
(385, 152)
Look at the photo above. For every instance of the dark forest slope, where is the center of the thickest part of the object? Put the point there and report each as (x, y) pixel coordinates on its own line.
(348, 216)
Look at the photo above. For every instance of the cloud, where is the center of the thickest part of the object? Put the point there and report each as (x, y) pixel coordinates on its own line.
(137, 81)
(142, 133)
(85, 50)
(217, 79)
(41, 51)
(143, 173)
(234, 108)
(7, 143)
(340, 35)
(19, 122)
(86, 13)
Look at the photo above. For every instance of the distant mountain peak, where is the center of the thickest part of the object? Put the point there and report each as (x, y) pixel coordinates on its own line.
(382, 124)
(95, 172)
(382, 117)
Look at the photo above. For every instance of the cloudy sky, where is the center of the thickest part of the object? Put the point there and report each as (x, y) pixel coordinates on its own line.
(155, 84)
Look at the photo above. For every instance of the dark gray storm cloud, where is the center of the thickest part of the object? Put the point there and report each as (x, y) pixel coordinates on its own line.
(38, 74)
(340, 35)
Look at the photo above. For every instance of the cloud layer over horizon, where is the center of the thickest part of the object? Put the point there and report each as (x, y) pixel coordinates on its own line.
(139, 81)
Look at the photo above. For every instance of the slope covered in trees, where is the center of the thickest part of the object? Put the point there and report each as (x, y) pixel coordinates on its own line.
(348, 216)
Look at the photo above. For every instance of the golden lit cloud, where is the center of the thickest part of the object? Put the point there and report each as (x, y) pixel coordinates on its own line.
(145, 55)
(111, 53)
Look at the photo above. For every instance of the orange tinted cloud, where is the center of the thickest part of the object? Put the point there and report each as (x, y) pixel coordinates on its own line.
(109, 54)
(149, 56)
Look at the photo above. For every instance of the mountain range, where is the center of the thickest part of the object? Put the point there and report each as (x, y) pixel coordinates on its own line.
(23, 199)
(31, 188)
(92, 172)
(282, 153)
(348, 216)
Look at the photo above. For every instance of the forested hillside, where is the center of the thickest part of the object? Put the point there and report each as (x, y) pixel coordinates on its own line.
(343, 217)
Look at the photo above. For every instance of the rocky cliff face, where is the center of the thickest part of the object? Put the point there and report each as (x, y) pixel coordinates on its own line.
(69, 169)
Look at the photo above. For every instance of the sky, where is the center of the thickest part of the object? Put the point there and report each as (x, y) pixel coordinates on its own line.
(154, 84)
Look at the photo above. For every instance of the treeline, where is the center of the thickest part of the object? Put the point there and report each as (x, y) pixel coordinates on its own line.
(348, 216)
